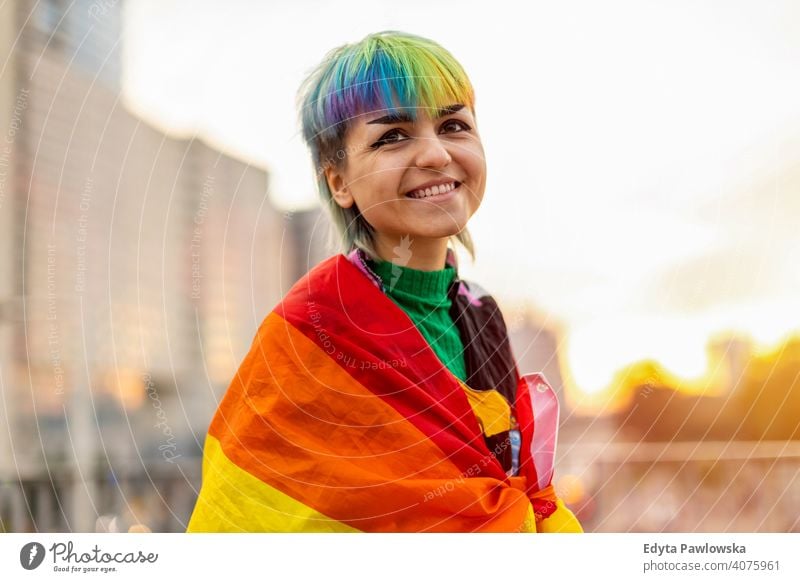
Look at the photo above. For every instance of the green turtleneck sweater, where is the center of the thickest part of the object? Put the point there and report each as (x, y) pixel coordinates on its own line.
(423, 296)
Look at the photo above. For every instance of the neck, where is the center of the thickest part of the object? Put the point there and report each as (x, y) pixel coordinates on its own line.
(423, 254)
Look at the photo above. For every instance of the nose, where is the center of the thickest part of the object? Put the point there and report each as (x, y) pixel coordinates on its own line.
(431, 152)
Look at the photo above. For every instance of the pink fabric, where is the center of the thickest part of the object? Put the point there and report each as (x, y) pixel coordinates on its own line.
(545, 422)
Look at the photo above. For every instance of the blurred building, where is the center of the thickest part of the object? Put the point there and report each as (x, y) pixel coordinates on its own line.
(135, 270)
(536, 346)
(673, 461)
(758, 400)
(310, 234)
(730, 354)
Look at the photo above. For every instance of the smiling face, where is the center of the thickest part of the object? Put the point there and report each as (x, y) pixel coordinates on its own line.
(423, 178)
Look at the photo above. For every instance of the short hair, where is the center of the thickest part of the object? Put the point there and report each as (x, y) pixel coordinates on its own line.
(385, 71)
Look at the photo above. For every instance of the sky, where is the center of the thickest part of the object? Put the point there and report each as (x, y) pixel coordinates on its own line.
(643, 157)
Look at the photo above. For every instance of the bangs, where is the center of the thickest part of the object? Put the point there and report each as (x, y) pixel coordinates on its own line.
(387, 72)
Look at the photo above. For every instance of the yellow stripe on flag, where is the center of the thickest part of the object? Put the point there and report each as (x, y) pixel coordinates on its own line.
(233, 500)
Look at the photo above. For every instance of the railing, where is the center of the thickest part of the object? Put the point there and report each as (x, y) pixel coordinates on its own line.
(683, 486)
(159, 500)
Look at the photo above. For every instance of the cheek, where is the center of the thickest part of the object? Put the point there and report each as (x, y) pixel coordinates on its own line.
(375, 192)
(380, 181)
(474, 163)
(474, 160)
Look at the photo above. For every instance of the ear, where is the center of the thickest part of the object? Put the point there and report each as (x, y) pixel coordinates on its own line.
(338, 187)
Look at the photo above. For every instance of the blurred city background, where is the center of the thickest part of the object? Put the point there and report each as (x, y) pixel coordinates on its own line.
(639, 231)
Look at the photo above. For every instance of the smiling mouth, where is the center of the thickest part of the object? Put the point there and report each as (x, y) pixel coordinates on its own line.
(437, 190)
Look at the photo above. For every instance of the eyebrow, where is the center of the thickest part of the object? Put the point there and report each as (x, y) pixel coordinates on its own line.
(405, 118)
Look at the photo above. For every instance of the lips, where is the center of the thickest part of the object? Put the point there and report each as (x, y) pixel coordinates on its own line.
(434, 189)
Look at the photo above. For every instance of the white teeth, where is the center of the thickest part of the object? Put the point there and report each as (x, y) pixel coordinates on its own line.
(433, 191)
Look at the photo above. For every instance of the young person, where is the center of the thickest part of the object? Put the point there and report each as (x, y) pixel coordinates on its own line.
(381, 393)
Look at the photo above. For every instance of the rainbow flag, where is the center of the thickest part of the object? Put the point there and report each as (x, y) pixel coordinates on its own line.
(342, 418)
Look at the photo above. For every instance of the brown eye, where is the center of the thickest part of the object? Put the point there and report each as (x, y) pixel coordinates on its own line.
(455, 123)
(389, 137)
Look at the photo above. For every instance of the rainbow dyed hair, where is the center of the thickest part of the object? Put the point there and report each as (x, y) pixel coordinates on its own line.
(386, 71)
